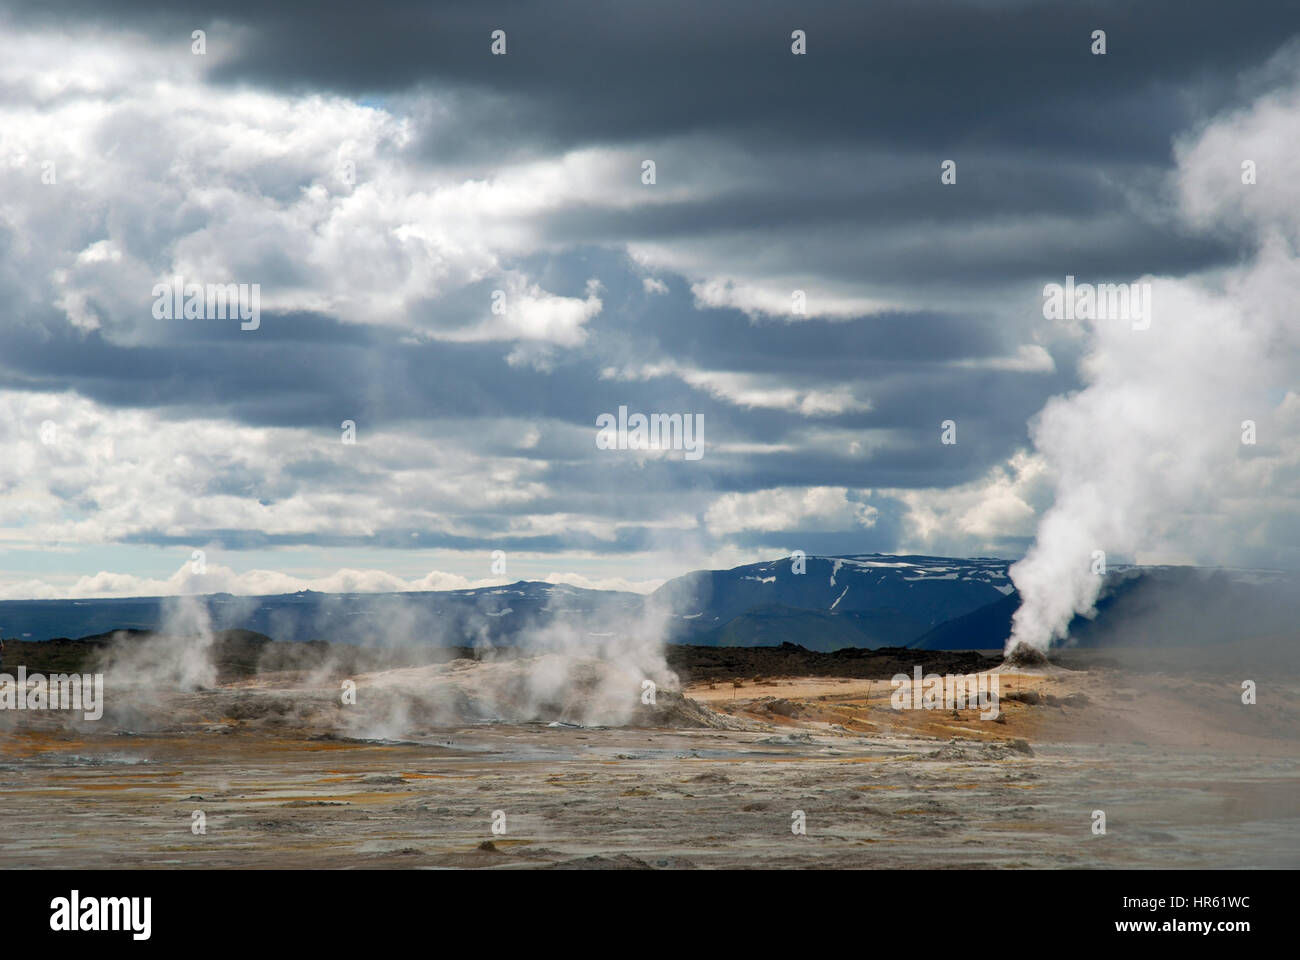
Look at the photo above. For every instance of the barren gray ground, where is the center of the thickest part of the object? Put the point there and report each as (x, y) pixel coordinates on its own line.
(659, 797)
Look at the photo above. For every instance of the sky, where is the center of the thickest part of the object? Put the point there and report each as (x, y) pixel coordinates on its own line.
(385, 180)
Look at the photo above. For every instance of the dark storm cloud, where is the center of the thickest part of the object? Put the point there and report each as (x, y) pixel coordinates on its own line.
(880, 537)
(310, 371)
(930, 73)
(305, 369)
(833, 177)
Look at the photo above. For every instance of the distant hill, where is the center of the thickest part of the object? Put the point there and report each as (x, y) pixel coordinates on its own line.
(493, 615)
(861, 601)
(868, 600)
(984, 629)
(1153, 606)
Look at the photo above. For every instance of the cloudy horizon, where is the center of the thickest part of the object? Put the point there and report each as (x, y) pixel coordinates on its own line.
(461, 266)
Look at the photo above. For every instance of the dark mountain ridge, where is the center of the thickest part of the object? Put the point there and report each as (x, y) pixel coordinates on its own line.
(820, 603)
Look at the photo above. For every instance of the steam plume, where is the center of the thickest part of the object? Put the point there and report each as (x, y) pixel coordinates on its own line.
(1149, 458)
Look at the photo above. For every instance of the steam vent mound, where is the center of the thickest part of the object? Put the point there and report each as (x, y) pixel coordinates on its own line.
(1023, 655)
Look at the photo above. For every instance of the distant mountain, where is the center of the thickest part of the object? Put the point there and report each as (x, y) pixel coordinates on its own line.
(865, 601)
(493, 615)
(984, 629)
(1156, 606)
(857, 601)
(869, 600)
(810, 629)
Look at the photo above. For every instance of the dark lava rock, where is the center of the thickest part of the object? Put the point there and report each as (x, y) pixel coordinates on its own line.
(1030, 697)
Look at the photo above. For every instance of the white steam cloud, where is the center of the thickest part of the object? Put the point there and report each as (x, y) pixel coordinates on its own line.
(1149, 459)
(176, 657)
(590, 670)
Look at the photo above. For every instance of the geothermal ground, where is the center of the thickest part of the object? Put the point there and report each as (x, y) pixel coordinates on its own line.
(1186, 774)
